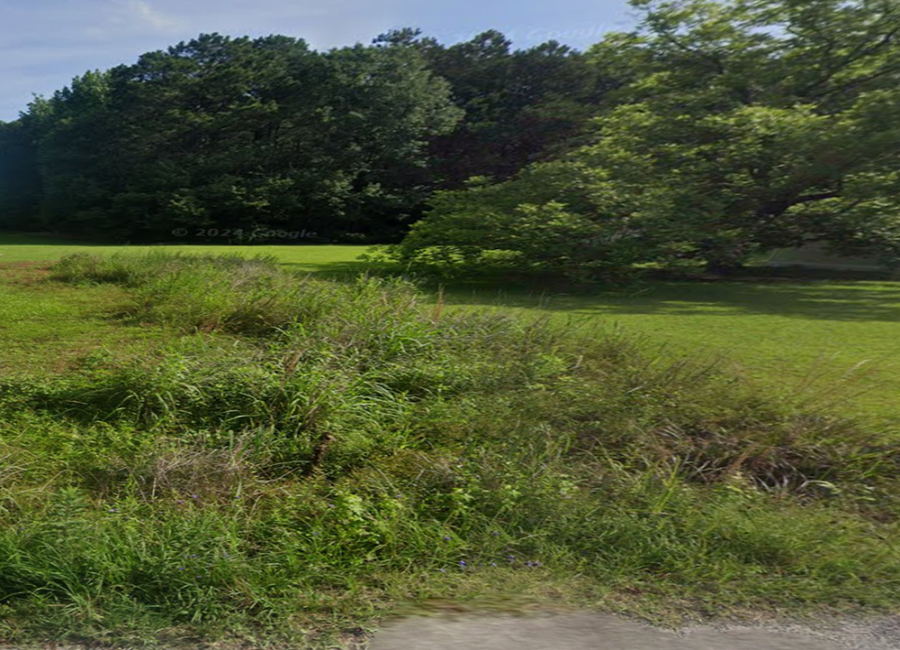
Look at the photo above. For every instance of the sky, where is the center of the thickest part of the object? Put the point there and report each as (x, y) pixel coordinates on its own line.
(45, 43)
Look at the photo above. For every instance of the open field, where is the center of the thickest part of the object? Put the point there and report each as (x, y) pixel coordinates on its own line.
(835, 342)
(30, 248)
(204, 466)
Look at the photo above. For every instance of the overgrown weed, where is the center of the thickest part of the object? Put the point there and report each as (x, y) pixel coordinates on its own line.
(301, 448)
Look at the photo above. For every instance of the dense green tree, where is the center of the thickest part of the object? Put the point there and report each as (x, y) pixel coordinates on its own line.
(74, 154)
(20, 187)
(762, 124)
(521, 106)
(234, 133)
(546, 219)
(745, 126)
(238, 133)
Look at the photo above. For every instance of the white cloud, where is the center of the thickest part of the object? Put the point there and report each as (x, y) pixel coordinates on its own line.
(150, 17)
(132, 17)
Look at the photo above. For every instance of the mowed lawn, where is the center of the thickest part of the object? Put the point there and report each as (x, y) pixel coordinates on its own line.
(830, 343)
(48, 327)
(27, 248)
(833, 343)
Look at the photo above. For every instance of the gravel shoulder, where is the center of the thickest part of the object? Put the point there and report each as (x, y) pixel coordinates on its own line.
(592, 631)
(548, 629)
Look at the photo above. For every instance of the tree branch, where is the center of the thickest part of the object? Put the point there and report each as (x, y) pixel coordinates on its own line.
(717, 63)
(809, 198)
(860, 51)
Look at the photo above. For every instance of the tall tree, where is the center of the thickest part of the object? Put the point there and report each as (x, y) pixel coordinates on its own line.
(20, 186)
(766, 123)
(238, 133)
(521, 106)
(73, 152)
(744, 126)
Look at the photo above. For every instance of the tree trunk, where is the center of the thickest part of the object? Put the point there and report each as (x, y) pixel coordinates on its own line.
(724, 266)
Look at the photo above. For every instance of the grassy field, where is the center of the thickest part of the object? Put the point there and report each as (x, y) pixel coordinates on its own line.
(155, 409)
(226, 450)
(30, 248)
(836, 343)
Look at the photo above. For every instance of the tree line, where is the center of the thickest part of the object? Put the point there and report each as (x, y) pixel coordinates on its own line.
(710, 133)
(246, 134)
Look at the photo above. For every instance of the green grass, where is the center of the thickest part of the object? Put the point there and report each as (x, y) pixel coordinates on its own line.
(46, 328)
(289, 458)
(328, 259)
(835, 341)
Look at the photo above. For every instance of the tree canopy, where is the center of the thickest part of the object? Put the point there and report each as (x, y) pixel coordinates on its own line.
(235, 133)
(740, 126)
(713, 131)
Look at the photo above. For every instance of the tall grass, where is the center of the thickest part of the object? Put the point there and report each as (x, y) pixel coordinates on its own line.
(301, 449)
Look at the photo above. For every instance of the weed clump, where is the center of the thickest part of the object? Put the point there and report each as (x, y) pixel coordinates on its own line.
(301, 445)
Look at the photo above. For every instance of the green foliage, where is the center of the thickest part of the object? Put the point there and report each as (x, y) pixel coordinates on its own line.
(755, 123)
(240, 134)
(520, 105)
(235, 134)
(743, 127)
(19, 180)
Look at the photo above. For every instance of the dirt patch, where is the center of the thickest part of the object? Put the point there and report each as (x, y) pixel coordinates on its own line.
(23, 273)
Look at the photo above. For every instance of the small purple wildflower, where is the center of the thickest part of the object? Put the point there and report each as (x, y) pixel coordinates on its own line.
(194, 496)
(442, 570)
(493, 564)
(462, 563)
(494, 533)
(181, 568)
(180, 501)
(193, 555)
(446, 538)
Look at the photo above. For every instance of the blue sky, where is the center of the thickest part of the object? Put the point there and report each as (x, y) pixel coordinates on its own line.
(45, 43)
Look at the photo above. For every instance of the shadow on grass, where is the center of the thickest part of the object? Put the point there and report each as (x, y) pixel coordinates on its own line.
(803, 297)
(845, 301)
(839, 297)
(337, 270)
